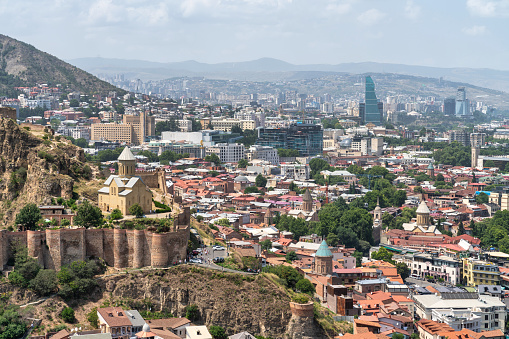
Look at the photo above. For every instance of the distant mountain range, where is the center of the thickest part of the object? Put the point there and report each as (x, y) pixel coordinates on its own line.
(22, 64)
(269, 69)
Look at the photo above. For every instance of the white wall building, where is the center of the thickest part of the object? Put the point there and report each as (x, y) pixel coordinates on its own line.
(265, 153)
(295, 171)
(491, 310)
(227, 152)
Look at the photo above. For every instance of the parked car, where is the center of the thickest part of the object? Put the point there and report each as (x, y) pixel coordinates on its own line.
(218, 248)
(196, 252)
(195, 261)
(218, 260)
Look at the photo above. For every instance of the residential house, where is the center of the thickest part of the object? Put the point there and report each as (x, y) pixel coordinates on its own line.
(114, 320)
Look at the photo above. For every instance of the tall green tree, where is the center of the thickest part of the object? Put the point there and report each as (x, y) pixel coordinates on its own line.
(44, 283)
(28, 216)
(213, 158)
(266, 245)
(136, 210)
(382, 254)
(88, 215)
(217, 332)
(403, 270)
(260, 181)
(242, 163)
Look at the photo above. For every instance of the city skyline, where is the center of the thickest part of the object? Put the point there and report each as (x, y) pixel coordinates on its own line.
(439, 34)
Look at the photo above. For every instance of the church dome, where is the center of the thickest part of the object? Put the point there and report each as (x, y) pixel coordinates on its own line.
(346, 142)
(146, 328)
(423, 208)
(241, 179)
(323, 250)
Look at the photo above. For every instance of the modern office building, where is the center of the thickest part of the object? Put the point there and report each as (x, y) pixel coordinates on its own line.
(371, 111)
(227, 152)
(450, 106)
(462, 108)
(306, 138)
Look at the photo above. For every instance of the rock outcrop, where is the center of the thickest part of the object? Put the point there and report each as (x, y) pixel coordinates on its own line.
(33, 169)
(303, 328)
(234, 301)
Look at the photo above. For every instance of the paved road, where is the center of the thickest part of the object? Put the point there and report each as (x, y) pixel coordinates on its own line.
(208, 254)
(223, 269)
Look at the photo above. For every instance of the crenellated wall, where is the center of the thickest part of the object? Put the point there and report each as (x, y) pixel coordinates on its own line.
(119, 248)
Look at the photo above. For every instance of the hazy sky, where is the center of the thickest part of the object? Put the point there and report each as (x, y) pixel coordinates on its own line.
(444, 33)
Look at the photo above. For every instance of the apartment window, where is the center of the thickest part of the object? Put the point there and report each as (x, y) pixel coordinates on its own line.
(486, 317)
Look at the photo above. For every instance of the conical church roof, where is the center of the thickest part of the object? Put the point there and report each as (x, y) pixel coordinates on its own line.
(126, 155)
(323, 250)
(307, 196)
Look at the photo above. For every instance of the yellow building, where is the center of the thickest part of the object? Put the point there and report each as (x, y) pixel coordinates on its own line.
(132, 131)
(125, 189)
(476, 272)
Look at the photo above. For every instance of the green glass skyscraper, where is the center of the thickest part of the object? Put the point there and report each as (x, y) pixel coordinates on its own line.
(372, 112)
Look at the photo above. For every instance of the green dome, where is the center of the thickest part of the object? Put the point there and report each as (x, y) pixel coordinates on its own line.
(323, 250)
(430, 166)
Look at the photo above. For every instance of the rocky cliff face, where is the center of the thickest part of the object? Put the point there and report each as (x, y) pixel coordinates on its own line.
(303, 328)
(235, 302)
(34, 169)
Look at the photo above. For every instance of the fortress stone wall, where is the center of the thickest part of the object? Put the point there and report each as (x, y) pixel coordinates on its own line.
(154, 179)
(120, 248)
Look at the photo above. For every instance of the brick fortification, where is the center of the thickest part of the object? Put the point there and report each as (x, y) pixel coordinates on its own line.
(120, 248)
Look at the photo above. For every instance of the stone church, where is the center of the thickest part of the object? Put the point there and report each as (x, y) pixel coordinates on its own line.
(125, 189)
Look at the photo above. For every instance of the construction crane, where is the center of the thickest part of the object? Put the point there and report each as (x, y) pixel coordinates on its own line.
(369, 176)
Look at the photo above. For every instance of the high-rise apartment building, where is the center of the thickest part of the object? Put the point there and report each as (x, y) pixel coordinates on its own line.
(462, 108)
(461, 136)
(450, 106)
(133, 130)
(306, 138)
(372, 112)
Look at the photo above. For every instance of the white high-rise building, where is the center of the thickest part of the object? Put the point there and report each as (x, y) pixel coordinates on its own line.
(266, 153)
(227, 152)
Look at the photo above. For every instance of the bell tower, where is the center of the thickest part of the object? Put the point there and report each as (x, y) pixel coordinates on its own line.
(126, 163)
